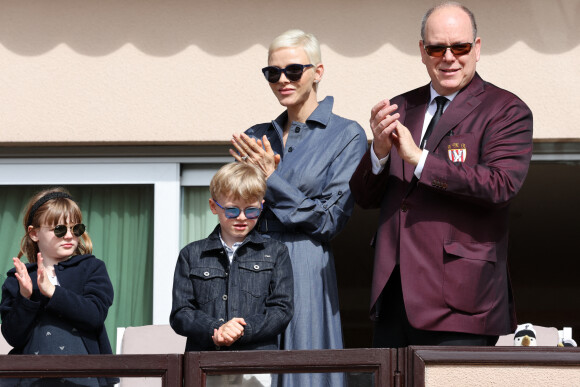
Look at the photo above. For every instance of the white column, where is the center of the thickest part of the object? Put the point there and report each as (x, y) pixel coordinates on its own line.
(165, 243)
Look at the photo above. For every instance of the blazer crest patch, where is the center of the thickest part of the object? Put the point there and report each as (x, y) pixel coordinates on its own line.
(457, 152)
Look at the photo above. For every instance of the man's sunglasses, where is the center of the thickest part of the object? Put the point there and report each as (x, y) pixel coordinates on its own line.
(293, 72)
(234, 212)
(77, 230)
(457, 49)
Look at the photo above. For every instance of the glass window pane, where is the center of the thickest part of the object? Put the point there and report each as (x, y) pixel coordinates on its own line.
(197, 220)
(353, 379)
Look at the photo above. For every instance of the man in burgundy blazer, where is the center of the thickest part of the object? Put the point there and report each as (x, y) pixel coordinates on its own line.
(440, 272)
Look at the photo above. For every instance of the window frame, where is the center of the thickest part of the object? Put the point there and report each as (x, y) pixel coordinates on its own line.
(163, 173)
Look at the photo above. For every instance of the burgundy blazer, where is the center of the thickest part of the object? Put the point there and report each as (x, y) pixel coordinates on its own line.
(449, 229)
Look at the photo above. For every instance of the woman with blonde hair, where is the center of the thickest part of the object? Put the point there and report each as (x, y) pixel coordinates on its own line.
(308, 155)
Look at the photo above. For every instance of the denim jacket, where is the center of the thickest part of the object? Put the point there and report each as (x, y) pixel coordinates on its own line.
(209, 291)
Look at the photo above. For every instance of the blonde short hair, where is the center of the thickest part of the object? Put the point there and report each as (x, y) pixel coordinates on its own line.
(240, 180)
(298, 38)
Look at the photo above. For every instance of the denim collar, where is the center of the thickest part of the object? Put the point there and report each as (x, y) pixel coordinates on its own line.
(214, 242)
(320, 115)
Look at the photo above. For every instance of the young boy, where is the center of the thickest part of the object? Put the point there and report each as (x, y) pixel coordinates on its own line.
(234, 289)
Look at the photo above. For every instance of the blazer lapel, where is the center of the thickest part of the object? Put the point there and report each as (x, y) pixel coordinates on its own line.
(461, 106)
(415, 116)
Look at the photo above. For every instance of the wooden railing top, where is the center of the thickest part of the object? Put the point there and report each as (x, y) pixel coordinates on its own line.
(389, 367)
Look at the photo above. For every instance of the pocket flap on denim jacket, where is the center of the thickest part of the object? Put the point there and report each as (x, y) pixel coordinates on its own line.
(207, 272)
(257, 265)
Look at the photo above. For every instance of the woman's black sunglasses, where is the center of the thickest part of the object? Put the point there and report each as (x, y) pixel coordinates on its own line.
(77, 230)
(293, 72)
(457, 49)
(234, 212)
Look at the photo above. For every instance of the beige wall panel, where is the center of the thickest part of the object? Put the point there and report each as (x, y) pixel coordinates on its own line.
(516, 376)
(184, 71)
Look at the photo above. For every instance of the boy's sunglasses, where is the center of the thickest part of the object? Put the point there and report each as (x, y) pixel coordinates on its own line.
(457, 49)
(293, 72)
(234, 212)
(77, 230)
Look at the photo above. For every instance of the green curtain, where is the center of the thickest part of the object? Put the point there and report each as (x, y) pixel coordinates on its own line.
(119, 220)
(197, 220)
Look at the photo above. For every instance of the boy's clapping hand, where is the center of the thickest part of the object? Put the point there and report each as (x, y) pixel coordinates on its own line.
(229, 332)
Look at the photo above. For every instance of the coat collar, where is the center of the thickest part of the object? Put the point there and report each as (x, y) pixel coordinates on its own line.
(75, 260)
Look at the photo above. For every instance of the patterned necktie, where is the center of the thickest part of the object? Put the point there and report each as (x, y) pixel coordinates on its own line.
(440, 104)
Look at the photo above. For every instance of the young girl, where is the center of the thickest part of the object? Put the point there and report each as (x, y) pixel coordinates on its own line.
(56, 304)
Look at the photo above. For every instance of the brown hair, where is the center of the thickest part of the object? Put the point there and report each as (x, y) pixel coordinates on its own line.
(48, 207)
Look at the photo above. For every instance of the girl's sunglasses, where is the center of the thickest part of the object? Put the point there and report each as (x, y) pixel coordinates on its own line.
(234, 212)
(457, 49)
(77, 230)
(293, 72)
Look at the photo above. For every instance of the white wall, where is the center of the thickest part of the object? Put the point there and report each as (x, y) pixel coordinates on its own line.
(184, 71)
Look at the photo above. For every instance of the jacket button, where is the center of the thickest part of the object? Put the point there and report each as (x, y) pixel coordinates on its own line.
(290, 149)
(221, 320)
(256, 267)
(225, 297)
(206, 273)
(404, 208)
(297, 130)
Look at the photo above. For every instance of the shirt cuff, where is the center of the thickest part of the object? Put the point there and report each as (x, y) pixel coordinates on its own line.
(421, 164)
(378, 165)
